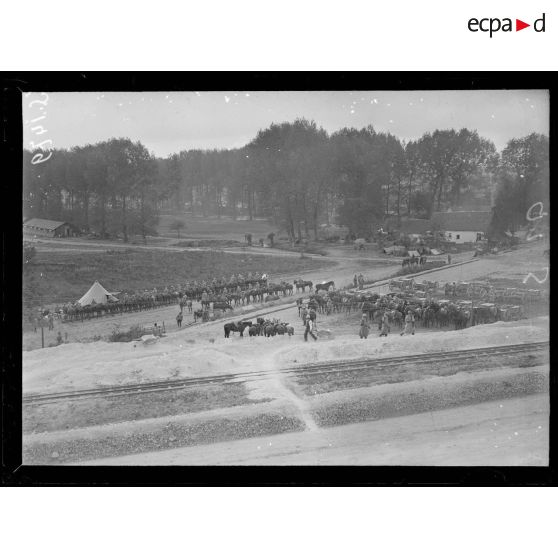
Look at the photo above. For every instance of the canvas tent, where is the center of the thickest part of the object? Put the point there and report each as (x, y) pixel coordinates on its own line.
(97, 294)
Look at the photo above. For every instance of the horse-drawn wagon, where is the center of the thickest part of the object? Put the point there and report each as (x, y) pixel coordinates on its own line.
(461, 288)
(533, 295)
(431, 286)
(407, 284)
(513, 295)
(396, 285)
(479, 290)
(511, 313)
(484, 313)
(359, 244)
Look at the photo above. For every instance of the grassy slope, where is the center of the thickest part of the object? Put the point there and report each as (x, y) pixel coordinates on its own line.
(213, 227)
(62, 277)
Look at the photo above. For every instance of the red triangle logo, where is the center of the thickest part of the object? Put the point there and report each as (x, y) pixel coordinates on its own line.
(519, 25)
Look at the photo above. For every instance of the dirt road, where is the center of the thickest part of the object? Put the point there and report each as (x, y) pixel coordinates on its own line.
(498, 433)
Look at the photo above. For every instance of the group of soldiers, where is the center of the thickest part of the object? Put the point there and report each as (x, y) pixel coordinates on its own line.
(43, 318)
(235, 281)
(384, 325)
(148, 298)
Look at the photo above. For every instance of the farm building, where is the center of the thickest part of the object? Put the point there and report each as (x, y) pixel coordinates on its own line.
(46, 227)
(462, 226)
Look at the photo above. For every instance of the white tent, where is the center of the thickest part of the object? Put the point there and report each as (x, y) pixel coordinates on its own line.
(97, 294)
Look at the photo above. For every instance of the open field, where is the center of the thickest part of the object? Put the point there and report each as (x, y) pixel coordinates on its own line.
(213, 227)
(65, 276)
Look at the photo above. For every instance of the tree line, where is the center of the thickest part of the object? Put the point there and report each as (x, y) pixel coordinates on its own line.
(293, 173)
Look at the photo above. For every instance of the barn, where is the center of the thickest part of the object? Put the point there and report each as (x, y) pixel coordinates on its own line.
(46, 227)
(462, 226)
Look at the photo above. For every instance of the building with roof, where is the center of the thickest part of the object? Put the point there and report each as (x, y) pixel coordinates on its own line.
(462, 226)
(46, 227)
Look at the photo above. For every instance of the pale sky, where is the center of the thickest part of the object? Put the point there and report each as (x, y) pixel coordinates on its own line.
(169, 122)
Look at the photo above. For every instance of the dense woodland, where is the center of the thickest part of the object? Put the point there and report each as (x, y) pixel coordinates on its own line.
(295, 174)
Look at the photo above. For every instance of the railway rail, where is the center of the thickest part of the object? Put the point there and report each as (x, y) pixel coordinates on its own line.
(357, 366)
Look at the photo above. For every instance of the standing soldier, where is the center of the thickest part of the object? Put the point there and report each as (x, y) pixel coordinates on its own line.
(364, 327)
(409, 324)
(312, 315)
(179, 319)
(360, 281)
(309, 329)
(304, 315)
(355, 281)
(385, 325)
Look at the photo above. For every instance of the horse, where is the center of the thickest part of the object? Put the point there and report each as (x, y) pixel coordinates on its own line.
(461, 319)
(287, 288)
(270, 329)
(301, 285)
(233, 326)
(222, 306)
(324, 286)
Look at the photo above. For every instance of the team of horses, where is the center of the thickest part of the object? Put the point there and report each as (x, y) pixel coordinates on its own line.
(413, 261)
(262, 327)
(430, 313)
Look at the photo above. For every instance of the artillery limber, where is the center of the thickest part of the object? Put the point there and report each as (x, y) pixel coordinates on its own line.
(510, 313)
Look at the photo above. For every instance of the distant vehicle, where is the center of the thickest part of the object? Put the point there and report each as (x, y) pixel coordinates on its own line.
(360, 244)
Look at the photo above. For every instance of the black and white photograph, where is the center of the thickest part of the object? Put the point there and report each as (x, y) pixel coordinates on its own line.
(286, 277)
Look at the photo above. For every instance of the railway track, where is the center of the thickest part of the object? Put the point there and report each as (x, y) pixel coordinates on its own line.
(373, 366)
